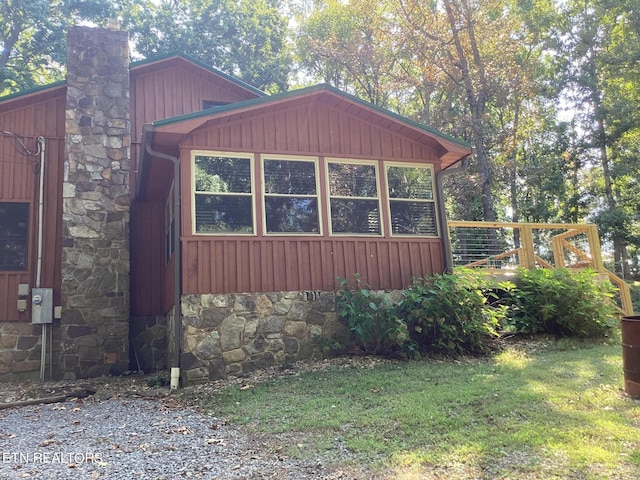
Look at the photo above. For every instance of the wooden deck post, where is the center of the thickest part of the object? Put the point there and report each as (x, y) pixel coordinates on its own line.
(526, 237)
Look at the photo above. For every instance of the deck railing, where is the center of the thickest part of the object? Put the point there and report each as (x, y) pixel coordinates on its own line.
(502, 247)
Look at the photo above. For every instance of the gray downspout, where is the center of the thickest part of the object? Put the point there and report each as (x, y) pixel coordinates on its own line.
(444, 226)
(177, 324)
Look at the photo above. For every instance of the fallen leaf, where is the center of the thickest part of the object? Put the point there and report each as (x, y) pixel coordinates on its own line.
(216, 441)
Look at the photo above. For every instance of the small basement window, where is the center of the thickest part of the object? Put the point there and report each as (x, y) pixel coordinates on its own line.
(14, 229)
(223, 193)
(411, 200)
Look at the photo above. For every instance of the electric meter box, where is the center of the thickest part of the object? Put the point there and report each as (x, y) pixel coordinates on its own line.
(41, 305)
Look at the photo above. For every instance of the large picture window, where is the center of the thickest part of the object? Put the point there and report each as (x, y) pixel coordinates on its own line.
(411, 200)
(290, 196)
(223, 194)
(14, 229)
(353, 197)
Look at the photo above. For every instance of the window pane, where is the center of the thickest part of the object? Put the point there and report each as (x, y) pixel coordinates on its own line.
(410, 182)
(222, 174)
(224, 214)
(291, 214)
(352, 180)
(413, 218)
(14, 223)
(290, 177)
(355, 216)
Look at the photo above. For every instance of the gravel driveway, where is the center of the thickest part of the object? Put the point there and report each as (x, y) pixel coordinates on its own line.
(138, 438)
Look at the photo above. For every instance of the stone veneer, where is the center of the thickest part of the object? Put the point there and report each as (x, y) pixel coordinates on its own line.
(231, 334)
(92, 338)
(20, 346)
(149, 343)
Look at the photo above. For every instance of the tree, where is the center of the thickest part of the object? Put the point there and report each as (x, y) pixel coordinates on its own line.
(32, 38)
(348, 46)
(601, 39)
(246, 38)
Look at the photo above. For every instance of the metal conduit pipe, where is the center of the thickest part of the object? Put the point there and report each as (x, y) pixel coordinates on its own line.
(175, 358)
(454, 169)
(43, 348)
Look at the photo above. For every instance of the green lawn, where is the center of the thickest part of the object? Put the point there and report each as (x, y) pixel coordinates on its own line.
(538, 410)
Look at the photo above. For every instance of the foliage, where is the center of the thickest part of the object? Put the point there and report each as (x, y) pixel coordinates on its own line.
(158, 380)
(450, 314)
(246, 38)
(373, 320)
(562, 302)
(32, 38)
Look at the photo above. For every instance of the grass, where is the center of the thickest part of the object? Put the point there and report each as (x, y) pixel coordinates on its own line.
(553, 411)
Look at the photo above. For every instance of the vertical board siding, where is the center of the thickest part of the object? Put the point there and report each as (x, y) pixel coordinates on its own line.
(312, 130)
(147, 258)
(9, 296)
(228, 265)
(43, 115)
(174, 88)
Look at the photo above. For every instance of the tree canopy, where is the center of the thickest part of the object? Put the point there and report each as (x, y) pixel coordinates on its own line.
(33, 36)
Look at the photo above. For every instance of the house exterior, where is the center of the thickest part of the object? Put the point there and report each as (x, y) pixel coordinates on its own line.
(187, 220)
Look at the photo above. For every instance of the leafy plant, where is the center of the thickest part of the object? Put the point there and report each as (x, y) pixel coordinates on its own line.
(373, 320)
(157, 381)
(451, 313)
(563, 302)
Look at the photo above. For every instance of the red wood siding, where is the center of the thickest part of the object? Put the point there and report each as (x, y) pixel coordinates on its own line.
(147, 258)
(227, 265)
(316, 130)
(158, 91)
(42, 115)
(171, 88)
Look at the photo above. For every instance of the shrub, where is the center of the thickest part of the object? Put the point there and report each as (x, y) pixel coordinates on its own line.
(450, 314)
(372, 320)
(563, 302)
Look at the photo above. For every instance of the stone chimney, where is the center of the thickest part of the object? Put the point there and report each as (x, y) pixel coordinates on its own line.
(94, 329)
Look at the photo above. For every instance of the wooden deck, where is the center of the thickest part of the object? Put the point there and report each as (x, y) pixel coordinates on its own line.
(499, 248)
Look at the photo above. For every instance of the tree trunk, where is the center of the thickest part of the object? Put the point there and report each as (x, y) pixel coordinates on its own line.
(476, 100)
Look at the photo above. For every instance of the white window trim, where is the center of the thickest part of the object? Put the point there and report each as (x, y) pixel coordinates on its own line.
(432, 200)
(217, 153)
(317, 196)
(352, 161)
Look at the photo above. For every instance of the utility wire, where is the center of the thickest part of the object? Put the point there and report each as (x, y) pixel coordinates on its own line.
(25, 150)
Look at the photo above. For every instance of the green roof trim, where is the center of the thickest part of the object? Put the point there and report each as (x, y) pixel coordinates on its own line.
(200, 63)
(303, 91)
(29, 91)
(145, 61)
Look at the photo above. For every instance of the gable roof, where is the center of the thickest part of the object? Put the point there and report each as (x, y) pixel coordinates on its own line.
(451, 149)
(159, 61)
(27, 95)
(140, 67)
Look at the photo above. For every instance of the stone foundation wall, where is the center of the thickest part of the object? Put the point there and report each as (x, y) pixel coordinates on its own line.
(238, 333)
(20, 347)
(149, 343)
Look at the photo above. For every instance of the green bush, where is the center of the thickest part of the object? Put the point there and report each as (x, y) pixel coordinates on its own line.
(372, 320)
(562, 302)
(451, 314)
